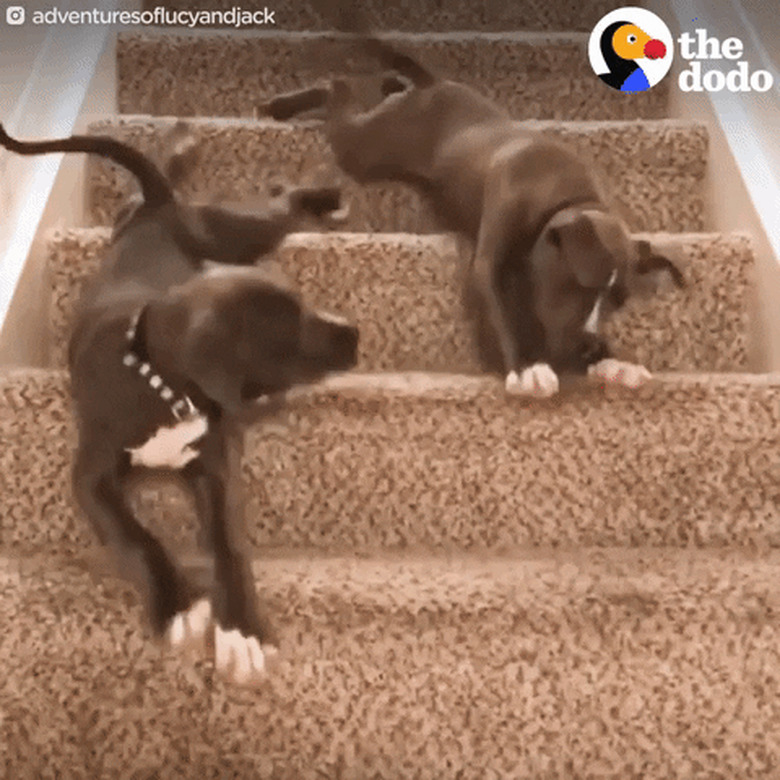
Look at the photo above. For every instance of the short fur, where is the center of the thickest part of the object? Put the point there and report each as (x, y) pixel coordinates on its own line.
(223, 338)
(545, 244)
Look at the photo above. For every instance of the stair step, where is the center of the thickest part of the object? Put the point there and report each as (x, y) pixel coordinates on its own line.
(603, 663)
(652, 172)
(377, 461)
(421, 15)
(540, 75)
(403, 291)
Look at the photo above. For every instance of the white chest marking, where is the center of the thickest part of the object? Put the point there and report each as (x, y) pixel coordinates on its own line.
(169, 447)
(592, 323)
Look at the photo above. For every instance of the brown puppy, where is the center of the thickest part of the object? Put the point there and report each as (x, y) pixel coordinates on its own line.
(168, 356)
(549, 258)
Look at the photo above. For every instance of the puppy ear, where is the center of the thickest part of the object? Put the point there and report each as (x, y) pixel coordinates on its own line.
(211, 357)
(193, 334)
(592, 243)
(649, 262)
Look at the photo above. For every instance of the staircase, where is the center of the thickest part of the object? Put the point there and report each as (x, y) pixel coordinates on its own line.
(466, 585)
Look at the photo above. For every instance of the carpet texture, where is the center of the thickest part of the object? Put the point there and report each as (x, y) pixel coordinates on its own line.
(374, 461)
(610, 664)
(652, 172)
(403, 292)
(160, 73)
(466, 585)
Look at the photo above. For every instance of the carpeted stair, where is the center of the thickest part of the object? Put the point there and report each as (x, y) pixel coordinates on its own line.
(466, 586)
(602, 663)
(538, 75)
(652, 171)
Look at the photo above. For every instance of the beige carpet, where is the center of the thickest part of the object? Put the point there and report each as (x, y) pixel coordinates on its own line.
(603, 664)
(466, 586)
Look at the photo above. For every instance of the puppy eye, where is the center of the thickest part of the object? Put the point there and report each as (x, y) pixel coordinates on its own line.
(632, 38)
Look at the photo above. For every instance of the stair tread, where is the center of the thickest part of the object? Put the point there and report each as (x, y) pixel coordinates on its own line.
(403, 291)
(510, 579)
(652, 173)
(235, 71)
(382, 461)
(656, 658)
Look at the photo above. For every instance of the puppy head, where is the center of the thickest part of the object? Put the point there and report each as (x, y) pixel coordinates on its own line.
(245, 333)
(586, 265)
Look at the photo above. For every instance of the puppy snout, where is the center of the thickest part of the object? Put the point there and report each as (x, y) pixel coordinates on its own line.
(332, 339)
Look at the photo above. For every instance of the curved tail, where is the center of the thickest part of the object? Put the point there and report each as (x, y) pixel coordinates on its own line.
(155, 187)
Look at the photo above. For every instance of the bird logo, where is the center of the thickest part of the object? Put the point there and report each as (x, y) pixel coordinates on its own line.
(631, 49)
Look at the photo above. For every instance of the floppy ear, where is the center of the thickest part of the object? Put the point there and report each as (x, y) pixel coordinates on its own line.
(211, 358)
(643, 277)
(593, 244)
(650, 262)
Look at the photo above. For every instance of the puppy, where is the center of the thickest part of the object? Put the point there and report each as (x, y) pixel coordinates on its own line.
(549, 258)
(166, 360)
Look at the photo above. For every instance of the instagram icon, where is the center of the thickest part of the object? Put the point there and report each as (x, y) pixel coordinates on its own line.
(14, 14)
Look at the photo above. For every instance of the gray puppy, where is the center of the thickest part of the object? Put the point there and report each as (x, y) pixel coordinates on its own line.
(549, 258)
(166, 359)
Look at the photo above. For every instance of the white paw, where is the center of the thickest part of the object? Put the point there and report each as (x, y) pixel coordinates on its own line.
(189, 628)
(339, 217)
(537, 381)
(616, 371)
(242, 659)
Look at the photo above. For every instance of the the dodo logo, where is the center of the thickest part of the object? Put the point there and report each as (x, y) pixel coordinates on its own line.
(631, 49)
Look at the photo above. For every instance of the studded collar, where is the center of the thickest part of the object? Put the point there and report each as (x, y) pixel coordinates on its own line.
(136, 357)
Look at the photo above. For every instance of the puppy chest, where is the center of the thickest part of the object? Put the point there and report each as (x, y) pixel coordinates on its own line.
(172, 446)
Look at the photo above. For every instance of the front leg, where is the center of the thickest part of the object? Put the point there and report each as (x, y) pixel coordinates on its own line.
(506, 302)
(244, 642)
(592, 356)
(610, 371)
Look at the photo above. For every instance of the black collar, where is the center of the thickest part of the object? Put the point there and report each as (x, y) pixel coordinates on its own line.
(137, 357)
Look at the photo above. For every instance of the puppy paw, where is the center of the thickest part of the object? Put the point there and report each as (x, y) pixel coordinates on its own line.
(537, 381)
(614, 371)
(241, 659)
(339, 218)
(189, 630)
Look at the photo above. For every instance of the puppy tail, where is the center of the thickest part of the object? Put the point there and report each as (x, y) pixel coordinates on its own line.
(156, 189)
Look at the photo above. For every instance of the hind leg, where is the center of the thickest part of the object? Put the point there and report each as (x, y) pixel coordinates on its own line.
(98, 489)
(225, 235)
(291, 104)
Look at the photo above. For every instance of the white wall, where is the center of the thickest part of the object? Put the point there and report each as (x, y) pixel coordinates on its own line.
(728, 200)
(24, 339)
